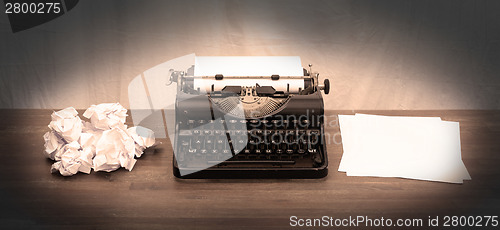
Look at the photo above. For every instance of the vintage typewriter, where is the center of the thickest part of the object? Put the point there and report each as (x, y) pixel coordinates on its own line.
(249, 126)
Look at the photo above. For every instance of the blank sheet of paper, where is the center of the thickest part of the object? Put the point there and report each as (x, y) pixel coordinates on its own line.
(248, 66)
(423, 148)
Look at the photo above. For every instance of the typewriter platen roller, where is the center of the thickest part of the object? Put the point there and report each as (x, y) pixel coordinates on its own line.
(267, 126)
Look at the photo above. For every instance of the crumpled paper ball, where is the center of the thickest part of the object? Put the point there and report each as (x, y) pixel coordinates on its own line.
(72, 160)
(66, 124)
(106, 116)
(103, 144)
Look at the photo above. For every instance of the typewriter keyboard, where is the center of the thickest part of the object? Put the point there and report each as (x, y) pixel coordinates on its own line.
(283, 144)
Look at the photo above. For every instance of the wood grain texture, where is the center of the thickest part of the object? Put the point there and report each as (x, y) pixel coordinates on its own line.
(151, 197)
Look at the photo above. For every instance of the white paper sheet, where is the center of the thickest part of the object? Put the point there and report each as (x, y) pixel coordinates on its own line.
(248, 66)
(351, 140)
(421, 148)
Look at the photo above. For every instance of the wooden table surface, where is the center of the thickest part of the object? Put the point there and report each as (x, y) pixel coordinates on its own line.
(151, 197)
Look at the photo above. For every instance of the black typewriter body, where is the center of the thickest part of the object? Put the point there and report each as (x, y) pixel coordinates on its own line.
(281, 135)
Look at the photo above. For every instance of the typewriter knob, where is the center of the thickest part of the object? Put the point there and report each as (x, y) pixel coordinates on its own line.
(325, 87)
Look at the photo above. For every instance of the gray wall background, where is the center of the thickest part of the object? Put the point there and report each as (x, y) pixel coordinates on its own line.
(378, 54)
